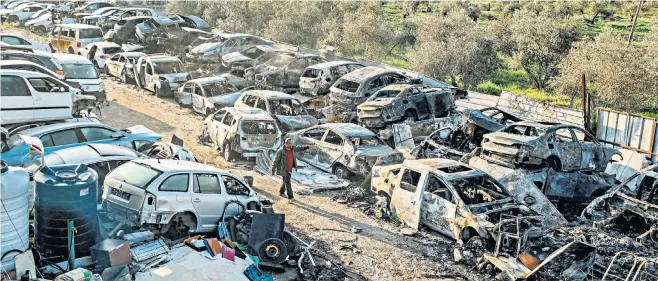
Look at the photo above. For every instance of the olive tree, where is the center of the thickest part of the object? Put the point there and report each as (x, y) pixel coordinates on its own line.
(453, 46)
(618, 76)
(296, 24)
(366, 32)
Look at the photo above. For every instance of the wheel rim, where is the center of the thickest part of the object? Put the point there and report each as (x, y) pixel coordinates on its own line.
(340, 172)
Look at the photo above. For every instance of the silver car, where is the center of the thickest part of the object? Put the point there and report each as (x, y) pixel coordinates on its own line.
(174, 197)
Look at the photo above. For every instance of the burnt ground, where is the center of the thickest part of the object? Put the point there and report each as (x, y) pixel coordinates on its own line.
(378, 252)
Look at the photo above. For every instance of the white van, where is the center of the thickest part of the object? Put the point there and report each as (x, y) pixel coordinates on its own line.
(27, 96)
(80, 70)
(68, 38)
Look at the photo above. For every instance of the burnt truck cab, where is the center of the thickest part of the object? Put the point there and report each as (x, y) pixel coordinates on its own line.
(453, 199)
(242, 132)
(399, 102)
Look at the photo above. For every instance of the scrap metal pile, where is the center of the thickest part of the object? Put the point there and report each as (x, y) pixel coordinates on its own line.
(522, 199)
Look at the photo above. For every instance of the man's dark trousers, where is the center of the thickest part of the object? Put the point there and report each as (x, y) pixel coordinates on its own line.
(286, 186)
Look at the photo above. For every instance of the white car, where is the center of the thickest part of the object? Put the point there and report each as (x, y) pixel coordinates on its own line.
(41, 21)
(80, 70)
(22, 41)
(105, 51)
(28, 96)
(23, 13)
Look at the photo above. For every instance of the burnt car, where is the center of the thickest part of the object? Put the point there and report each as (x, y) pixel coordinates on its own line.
(237, 62)
(161, 74)
(282, 72)
(212, 52)
(242, 132)
(108, 22)
(399, 102)
(461, 138)
(121, 66)
(284, 108)
(125, 28)
(317, 79)
(454, 199)
(357, 86)
(196, 22)
(558, 146)
(209, 94)
(341, 148)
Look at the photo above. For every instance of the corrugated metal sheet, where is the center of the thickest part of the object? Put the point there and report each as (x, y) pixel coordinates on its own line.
(628, 131)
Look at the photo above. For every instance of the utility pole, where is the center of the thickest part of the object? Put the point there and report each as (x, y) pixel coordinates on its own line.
(637, 15)
(585, 103)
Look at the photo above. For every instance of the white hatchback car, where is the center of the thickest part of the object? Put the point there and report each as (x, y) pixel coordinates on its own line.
(174, 196)
(28, 96)
(80, 70)
(105, 51)
(22, 41)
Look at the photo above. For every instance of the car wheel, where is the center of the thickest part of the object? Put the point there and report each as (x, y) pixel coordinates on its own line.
(410, 114)
(341, 172)
(292, 245)
(229, 155)
(13, 19)
(42, 29)
(273, 251)
(71, 50)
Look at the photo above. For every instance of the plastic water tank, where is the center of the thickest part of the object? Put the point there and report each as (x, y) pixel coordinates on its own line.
(14, 186)
(63, 193)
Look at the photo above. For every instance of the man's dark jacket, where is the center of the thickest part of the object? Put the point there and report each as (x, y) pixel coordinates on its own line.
(280, 164)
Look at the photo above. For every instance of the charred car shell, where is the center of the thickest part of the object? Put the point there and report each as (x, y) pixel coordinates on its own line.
(289, 113)
(237, 62)
(209, 94)
(561, 147)
(282, 72)
(317, 79)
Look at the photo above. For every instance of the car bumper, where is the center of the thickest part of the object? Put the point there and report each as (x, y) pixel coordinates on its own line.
(121, 214)
(372, 122)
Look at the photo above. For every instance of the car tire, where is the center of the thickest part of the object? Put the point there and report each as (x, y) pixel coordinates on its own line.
(13, 19)
(272, 250)
(42, 29)
(341, 171)
(71, 50)
(227, 153)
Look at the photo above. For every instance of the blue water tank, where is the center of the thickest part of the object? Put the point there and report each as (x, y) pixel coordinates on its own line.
(63, 193)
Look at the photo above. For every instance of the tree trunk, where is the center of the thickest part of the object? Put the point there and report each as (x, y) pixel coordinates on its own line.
(453, 80)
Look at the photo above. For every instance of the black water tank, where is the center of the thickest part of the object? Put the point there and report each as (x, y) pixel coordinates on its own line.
(63, 193)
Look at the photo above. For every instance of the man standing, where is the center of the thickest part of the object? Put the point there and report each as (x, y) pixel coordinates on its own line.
(92, 54)
(284, 162)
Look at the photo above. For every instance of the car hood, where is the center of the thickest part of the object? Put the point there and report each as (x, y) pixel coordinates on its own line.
(374, 151)
(235, 57)
(175, 77)
(142, 131)
(226, 99)
(297, 122)
(37, 21)
(509, 139)
(205, 47)
(377, 103)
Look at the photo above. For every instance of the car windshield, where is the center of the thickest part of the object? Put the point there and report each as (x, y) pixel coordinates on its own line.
(40, 13)
(136, 174)
(347, 85)
(386, 94)
(478, 189)
(218, 89)
(111, 50)
(164, 67)
(252, 52)
(80, 71)
(280, 61)
(259, 127)
(365, 141)
(91, 33)
(11, 142)
(287, 107)
(524, 130)
(43, 17)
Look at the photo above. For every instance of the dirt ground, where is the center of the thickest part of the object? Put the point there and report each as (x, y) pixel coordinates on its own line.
(378, 252)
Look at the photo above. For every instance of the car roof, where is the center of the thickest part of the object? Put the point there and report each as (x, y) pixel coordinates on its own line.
(347, 129)
(208, 80)
(90, 153)
(64, 58)
(270, 95)
(363, 74)
(76, 25)
(249, 113)
(36, 131)
(436, 165)
(23, 73)
(18, 62)
(105, 44)
(133, 54)
(137, 17)
(267, 48)
(168, 165)
(331, 64)
(396, 87)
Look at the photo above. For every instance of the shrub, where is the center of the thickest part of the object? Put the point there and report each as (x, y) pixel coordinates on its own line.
(489, 88)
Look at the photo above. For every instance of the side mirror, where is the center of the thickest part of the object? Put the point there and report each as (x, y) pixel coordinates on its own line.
(250, 180)
(117, 136)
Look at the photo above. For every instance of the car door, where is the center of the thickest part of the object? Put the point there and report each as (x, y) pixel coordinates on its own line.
(293, 72)
(439, 207)
(417, 100)
(60, 139)
(208, 199)
(373, 86)
(16, 100)
(113, 64)
(235, 190)
(223, 128)
(213, 125)
(148, 76)
(52, 99)
(313, 137)
(593, 156)
(54, 38)
(330, 149)
(406, 199)
(175, 190)
(186, 95)
(197, 99)
(565, 146)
